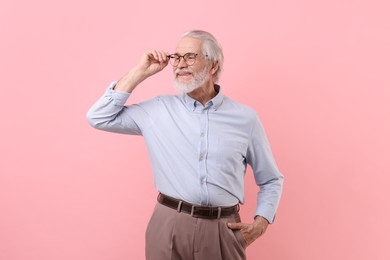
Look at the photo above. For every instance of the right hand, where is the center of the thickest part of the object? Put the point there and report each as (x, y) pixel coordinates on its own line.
(152, 61)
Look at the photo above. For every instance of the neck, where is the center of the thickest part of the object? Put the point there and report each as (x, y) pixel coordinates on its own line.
(204, 93)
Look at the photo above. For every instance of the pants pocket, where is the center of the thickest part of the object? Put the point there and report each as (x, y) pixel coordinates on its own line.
(240, 238)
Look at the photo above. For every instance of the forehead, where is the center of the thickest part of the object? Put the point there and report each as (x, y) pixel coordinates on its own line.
(188, 44)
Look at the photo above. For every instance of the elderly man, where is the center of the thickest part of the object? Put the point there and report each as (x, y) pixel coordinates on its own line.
(199, 143)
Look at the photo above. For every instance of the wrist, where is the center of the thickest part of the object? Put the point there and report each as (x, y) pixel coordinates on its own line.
(137, 75)
(261, 219)
(130, 81)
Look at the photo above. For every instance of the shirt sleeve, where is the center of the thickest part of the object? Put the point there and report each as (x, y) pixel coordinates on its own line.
(266, 173)
(110, 114)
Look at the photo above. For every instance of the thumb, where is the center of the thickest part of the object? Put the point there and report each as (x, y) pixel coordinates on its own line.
(235, 225)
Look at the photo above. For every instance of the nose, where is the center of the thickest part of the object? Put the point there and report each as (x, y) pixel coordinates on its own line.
(182, 63)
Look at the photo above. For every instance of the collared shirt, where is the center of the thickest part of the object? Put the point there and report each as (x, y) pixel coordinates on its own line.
(198, 153)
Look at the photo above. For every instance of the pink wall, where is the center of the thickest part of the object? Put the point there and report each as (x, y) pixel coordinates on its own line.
(317, 72)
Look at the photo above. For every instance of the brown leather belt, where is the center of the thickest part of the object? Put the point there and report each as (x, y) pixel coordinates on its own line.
(196, 210)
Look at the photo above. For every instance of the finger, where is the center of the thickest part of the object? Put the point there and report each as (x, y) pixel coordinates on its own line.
(153, 54)
(157, 56)
(236, 225)
(163, 56)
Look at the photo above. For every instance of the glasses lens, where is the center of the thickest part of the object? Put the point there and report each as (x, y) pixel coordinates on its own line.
(174, 59)
(190, 58)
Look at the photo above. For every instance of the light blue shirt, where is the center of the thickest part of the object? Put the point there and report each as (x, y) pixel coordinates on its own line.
(198, 153)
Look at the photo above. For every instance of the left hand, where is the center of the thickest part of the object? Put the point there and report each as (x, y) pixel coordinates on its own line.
(251, 232)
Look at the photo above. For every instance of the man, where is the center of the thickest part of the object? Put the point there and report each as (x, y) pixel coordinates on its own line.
(199, 143)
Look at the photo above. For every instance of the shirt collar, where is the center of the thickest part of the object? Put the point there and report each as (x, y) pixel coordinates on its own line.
(213, 103)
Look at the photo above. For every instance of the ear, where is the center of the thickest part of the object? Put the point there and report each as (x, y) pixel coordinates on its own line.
(214, 68)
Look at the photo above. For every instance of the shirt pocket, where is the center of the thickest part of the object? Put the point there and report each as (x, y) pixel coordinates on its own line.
(229, 154)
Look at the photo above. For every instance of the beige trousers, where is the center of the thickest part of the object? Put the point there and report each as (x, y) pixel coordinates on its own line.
(173, 235)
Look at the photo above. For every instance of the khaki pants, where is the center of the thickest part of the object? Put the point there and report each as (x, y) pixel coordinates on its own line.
(173, 235)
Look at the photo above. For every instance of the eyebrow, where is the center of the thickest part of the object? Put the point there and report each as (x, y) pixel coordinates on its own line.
(183, 53)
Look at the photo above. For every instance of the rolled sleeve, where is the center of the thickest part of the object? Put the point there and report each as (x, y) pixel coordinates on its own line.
(110, 114)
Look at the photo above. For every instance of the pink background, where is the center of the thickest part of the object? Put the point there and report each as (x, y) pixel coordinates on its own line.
(317, 72)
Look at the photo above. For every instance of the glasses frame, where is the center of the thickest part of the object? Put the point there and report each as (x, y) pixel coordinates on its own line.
(175, 59)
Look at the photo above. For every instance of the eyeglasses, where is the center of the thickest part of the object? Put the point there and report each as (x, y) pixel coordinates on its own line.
(189, 58)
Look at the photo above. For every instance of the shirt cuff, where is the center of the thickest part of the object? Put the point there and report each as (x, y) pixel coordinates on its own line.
(268, 216)
(119, 98)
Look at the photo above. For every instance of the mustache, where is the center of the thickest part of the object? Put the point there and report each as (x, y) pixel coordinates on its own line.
(177, 71)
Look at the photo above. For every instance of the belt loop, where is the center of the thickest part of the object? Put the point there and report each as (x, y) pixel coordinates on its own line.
(219, 212)
(179, 206)
(192, 210)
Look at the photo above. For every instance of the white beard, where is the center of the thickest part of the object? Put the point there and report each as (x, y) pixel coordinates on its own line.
(198, 80)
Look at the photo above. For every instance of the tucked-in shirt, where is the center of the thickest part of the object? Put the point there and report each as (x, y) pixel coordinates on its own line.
(198, 153)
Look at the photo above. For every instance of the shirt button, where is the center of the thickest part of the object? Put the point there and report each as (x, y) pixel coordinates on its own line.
(201, 158)
(202, 135)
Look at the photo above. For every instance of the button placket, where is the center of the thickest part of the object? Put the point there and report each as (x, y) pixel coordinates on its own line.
(203, 156)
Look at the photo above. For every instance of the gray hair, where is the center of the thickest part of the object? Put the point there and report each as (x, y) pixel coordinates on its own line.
(210, 46)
